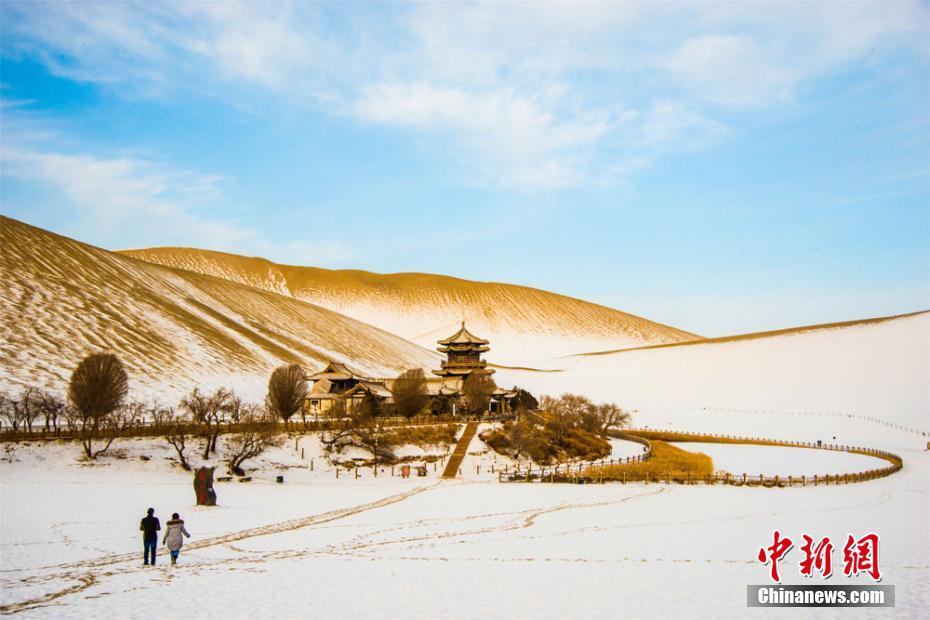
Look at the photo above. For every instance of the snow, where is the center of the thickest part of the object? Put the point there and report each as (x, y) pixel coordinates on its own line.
(461, 548)
(782, 461)
(875, 373)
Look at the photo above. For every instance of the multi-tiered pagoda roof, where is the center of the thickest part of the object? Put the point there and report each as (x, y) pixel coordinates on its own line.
(463, 355)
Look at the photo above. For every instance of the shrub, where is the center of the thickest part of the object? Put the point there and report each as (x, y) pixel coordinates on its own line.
(544, 444)
(409, 392)
(287, 390)
(97, 389)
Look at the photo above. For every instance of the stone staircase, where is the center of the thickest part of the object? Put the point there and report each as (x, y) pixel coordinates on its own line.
(461, 448)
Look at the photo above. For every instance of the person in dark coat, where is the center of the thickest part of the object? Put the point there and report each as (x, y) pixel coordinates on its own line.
(149, 527)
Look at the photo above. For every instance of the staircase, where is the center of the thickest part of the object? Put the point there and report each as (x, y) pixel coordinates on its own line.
(461, 448)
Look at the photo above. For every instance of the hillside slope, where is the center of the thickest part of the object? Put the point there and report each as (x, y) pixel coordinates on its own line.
(61, 299)
(525, 325)
(874, 368)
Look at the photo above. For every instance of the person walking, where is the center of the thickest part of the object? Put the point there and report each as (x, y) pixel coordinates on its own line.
(174, 529)
(149, 527)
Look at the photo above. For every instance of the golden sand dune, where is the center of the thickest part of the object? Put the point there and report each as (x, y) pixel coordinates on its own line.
(524, 324)
(61, 299)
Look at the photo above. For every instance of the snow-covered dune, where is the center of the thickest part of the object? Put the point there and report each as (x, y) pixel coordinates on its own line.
(61, 299)
(874, 371)
(525, 325)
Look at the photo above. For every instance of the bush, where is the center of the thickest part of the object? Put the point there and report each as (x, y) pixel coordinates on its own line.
(287, 390)
(546, 445)
(409, 392)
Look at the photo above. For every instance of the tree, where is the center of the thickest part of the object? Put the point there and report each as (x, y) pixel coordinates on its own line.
(261, 434)
(98, 387)
(208, 410)
(177, 432)
(409, 392)
(51, 406)
(22, 410)
(564, 412)
(476, 392)
(524, 401)
(600, 418)
(287, 391)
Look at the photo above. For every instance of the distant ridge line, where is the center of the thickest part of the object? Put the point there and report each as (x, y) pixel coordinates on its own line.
(754, 335)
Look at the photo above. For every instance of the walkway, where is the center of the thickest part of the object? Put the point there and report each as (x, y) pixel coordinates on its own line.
(461, 448)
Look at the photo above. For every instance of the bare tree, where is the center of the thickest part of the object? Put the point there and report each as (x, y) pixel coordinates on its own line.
(51, 406)
(564, 412)
(8, 412)
(98, 387)
(476, 392)
(177, 432)
(208, 410)
(602, 417)
(20, 411)
(287, 390)
(363, 429)
(261, 434)
(409, 392)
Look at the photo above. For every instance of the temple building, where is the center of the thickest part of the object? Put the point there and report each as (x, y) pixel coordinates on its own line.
(463, 355)
(338, 382)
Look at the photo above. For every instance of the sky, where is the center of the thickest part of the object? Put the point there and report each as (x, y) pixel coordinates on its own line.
(723, 168)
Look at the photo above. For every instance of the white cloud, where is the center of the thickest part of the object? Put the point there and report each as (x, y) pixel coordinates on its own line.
(125, 202)
(527, 95)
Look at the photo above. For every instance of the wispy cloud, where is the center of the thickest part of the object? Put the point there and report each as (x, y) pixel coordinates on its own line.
(121, 201)
(523, 95)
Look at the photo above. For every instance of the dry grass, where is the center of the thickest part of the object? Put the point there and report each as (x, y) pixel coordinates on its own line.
(666, 462)
(432, 435)
(543, 445)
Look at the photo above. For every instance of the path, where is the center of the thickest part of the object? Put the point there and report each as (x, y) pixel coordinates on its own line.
(77, 570)
(461, 448)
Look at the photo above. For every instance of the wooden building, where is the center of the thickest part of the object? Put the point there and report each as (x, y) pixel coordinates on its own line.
(338, 382)
(463, 355)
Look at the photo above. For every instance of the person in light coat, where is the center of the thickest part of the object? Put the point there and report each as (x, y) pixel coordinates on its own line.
(174, 533)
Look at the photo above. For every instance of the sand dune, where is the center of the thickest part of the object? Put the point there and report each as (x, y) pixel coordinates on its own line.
(61, 299)
(525, 325)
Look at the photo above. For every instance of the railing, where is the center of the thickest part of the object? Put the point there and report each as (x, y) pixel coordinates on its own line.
(152, 428)
(576, 473)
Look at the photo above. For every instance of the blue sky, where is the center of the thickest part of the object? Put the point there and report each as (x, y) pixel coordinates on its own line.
(720, 167)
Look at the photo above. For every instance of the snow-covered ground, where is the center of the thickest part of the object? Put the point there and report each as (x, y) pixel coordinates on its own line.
(782, 461)
(388, 547)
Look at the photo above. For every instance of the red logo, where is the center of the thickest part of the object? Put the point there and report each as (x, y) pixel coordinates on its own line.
(859, 556)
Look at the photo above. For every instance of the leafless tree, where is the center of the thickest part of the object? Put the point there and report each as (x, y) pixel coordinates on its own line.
(602, 417)
(409, 392)
(476, 392)
(8, 412)
(287, 390)
(98, 388)
(565, 412)
(261, 433)
(363, 429)
(51, 407)
(208, 410)
(177, 432)
(21, 410)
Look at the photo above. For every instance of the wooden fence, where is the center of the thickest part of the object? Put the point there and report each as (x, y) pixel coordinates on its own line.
(151, 428)
(577, 472)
